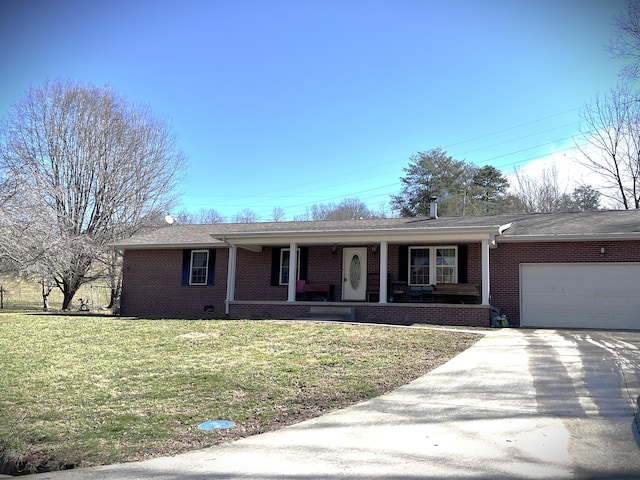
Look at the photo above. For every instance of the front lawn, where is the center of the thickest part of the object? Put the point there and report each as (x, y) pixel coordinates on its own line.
(85, 390)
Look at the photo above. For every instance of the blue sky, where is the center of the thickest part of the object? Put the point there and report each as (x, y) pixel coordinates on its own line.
(293, 103)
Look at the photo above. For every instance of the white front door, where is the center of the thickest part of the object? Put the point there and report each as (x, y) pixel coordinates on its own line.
(354, 274)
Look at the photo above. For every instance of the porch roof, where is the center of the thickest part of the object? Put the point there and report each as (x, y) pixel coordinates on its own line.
(315, 232)
(619, 224)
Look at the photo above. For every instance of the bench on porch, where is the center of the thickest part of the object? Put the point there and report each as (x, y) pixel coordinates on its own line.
(440, 292)
(420, 293)
(457, 292)
(308, 290)
(401, 292)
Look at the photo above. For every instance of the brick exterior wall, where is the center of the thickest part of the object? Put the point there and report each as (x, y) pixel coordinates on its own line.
(457, 315)
(504, 264)
(152, 282)
(253, 277)
(391, 314)
(151, 286)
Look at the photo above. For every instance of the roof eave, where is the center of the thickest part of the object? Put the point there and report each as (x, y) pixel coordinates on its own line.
(577, 237)
(164, 246)
(374, 235)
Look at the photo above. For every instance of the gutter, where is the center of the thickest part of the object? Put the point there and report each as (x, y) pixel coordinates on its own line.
(159, 246)
(563, 237)
(276, 238)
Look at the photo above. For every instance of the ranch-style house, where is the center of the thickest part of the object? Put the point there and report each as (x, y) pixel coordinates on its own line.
(557, 270)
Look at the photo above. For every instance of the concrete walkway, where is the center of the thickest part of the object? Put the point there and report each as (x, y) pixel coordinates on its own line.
(518, 404)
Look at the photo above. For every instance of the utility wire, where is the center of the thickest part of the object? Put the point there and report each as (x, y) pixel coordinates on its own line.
(350, 174)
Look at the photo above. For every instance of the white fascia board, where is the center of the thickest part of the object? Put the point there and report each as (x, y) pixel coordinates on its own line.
(462, 234)
(598, 237)
(167, 246)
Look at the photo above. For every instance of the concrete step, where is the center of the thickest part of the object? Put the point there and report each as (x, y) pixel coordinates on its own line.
(330, 313)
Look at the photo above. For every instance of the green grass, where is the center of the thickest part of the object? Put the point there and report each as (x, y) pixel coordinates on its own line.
(86, 390)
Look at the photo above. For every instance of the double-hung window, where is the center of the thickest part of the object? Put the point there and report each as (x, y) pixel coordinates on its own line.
(446, 264)
(199, 267)
(429, 265)
(419, 259)
(285, 255)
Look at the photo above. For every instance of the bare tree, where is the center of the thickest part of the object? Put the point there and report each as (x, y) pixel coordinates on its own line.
(625, 43)
(347, 209)
(610, 144)
(537, 193)
(305, 216)
(209, 215)
(350, 209)
(88, 168)
(246, 216)
(543, 193)
(321, 211)
(383, 211)
(277, 214)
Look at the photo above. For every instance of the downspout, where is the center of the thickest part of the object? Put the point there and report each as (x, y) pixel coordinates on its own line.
(485, 246)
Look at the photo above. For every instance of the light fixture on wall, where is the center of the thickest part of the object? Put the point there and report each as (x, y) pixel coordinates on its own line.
(602, 251)
(374, 249)
(334, 249)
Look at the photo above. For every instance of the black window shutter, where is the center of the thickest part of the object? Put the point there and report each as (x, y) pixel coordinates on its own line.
(275, 266)
(304, 263)
(462, 264)
(403, 263)
(186, 266)
(211, 267)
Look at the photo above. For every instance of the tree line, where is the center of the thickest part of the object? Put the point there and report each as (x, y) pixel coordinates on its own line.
(81, 167)
(460, 188)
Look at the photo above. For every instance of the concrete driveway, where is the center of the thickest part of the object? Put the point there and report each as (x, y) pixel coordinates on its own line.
(519, 404)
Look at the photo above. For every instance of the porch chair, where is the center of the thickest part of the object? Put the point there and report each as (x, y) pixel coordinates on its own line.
(373, 287)
(399, 291)
(421, 293)
(300, 289)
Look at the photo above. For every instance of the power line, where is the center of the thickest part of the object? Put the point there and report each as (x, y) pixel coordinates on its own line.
(350, 174)
(514, 127)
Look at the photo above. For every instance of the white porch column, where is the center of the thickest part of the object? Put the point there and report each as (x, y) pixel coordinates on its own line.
(384, 267)
(485, 272)
(293, 273)
(231, 277)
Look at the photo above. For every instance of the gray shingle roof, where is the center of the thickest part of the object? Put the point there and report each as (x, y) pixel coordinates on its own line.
(602, 222)
(613, 222)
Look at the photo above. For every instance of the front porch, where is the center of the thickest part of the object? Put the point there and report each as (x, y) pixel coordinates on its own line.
(365, 275)
(403, 278)
(463, 315)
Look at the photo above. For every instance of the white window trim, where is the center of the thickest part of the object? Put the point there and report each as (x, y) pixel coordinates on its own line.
(435, 265)
(418, 247)
(432, 261)
(206, 275)
(297, 265)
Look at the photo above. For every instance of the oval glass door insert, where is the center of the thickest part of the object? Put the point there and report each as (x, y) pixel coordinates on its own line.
(354, 272)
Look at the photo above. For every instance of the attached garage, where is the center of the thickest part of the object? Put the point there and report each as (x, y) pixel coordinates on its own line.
(580, 295)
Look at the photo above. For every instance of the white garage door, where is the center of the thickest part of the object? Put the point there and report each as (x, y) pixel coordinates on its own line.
(580, 295)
